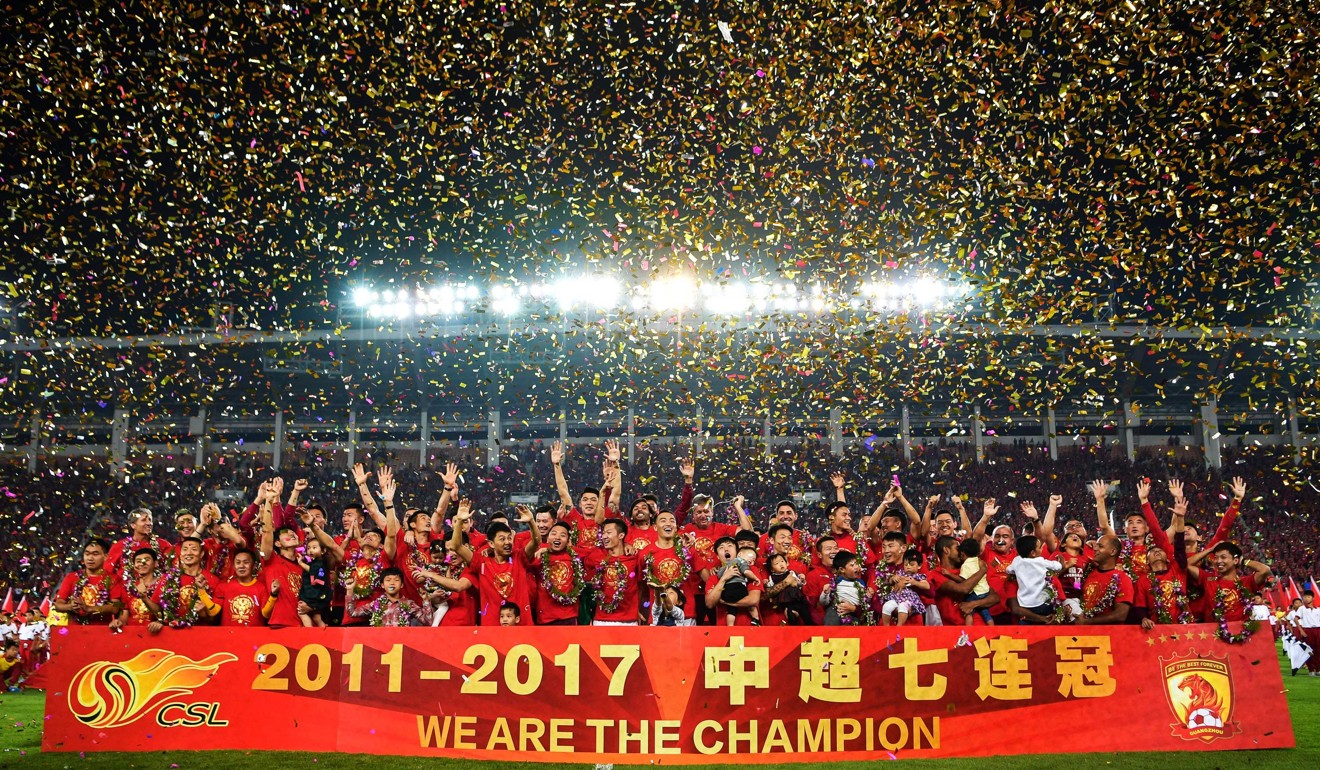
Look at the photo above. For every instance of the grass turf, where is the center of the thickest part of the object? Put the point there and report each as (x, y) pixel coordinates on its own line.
(21, 719)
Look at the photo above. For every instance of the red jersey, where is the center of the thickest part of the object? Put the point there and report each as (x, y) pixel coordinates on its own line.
(946, 603)
(584, 527)
(558, 569)
(638, 539)
(406, 557)
(996, 573)
(1168, 596)
(120, 558)
(241, 603)
(742, 616)
(1235, 600)
(186, 600)
(290, 575)
(1073, 572)
(1098, 584)
(618, 580)
(771, 614)
(800, 550)
(818, 579)
(92, 591)
(665, 567)
(139, 614)
(499, 582)
(853, 542)
(703, 550)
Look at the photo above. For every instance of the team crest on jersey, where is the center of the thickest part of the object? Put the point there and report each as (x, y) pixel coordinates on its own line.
(1199, 691)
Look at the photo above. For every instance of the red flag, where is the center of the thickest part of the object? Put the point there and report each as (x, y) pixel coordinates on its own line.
(45, 606)
(22, 606)
(9, 602)
(1292, 584)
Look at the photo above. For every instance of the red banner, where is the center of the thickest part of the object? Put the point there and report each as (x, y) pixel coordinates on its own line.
(681, 695)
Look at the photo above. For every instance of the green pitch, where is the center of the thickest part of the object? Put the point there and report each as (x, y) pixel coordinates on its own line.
(21, 719)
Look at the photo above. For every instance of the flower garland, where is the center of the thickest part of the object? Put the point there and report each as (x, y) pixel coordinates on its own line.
(563, 598)
(1106, 602)
(361, 588)
(171, 593)
(863, 613)
(1182, 615)
(884, 573)
(221, 557)
(126, 548)
(131, 589)
(1127, 555)
(407, 610)
(1060, 614)
(1220, 611)
(685, 567)
(102, 593)
(605, 605)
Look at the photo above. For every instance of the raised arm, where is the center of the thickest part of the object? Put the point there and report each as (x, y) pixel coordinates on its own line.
(837, 479)
(964, 520)
(870, 523)
(447, 496)
(689, 471)
(1159, 535)
(1098, 490)
(334, 549)
(1179, 526)
(1231, 515)
(607, 490)
(360, 476)
(461, 520)
(267, 529)
(744, 521)
(931, 502)
(1045, 529)
(1029, 511)
(914, 518)
(1259, 570)
(988, 511)
(299, 486)
(534, 542)
(561, 483)
(392, 526)
(613, 477)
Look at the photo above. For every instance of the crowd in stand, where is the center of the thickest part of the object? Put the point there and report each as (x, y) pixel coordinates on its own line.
(940, 539)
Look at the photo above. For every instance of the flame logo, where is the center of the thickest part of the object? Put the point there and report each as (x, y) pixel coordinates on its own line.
(108, 694)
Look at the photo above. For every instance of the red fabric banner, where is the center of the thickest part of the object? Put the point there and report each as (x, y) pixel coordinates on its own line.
(680, 695)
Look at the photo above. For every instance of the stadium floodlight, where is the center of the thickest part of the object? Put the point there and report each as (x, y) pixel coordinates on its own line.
(674, 293)
(364, 297)
(504, 300)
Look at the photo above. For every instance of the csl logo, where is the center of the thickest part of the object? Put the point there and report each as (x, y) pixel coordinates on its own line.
(106, 694)
(1199, 690)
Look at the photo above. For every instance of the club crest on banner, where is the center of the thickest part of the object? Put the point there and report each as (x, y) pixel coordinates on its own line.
(1199, 690)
